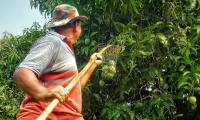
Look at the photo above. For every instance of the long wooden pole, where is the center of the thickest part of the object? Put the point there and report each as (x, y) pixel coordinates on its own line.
(83, 72)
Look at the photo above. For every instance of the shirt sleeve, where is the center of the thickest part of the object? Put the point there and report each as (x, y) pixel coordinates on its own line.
(40, 56)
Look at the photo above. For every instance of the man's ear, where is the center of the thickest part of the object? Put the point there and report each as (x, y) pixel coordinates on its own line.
(75, 28)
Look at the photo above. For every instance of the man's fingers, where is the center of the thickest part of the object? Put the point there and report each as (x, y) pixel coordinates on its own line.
(96, 56)
(59, 97)
(99, 57)
(61, 94)
(98, 62)
(66, 91)
(64, 94)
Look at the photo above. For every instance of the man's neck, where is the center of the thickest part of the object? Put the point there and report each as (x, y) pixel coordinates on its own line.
(69, 35)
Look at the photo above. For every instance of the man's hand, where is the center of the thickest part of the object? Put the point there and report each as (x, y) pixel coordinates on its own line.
(57, 92)
(97, 58)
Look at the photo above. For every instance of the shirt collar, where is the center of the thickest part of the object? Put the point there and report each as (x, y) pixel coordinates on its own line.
(62, 37)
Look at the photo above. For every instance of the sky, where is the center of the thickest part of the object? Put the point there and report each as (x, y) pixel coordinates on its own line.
(17, 15)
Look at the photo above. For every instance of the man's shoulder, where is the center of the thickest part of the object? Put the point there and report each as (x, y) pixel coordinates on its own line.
(49, 39)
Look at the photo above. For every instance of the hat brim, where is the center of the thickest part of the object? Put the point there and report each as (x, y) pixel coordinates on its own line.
(82, 17)
(65, 21)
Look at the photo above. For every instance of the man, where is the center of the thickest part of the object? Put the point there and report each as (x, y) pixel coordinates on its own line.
(50, 65)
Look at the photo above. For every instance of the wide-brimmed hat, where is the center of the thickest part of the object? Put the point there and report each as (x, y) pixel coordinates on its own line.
(64, 14)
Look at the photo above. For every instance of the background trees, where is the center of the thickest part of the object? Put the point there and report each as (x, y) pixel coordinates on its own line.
(157, 73)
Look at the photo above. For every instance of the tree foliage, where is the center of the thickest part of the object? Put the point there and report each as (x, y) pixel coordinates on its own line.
(159, 70)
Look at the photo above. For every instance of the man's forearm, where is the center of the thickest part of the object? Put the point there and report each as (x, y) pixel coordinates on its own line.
(96, 59)
(85, 78)
(28, 81)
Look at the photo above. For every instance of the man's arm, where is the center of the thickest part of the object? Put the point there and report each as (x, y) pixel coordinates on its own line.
(30, 84)
(97, 58)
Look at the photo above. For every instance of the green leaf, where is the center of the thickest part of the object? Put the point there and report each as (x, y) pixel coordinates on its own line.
(182, 67)
(182, 84)
(93, 34)
(197, 74)
(186, 73)
(145, 53)
(197, 90)
(163, 39)
(119, 26)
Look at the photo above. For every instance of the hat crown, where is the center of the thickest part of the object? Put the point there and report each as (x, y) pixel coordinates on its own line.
(64, 11)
